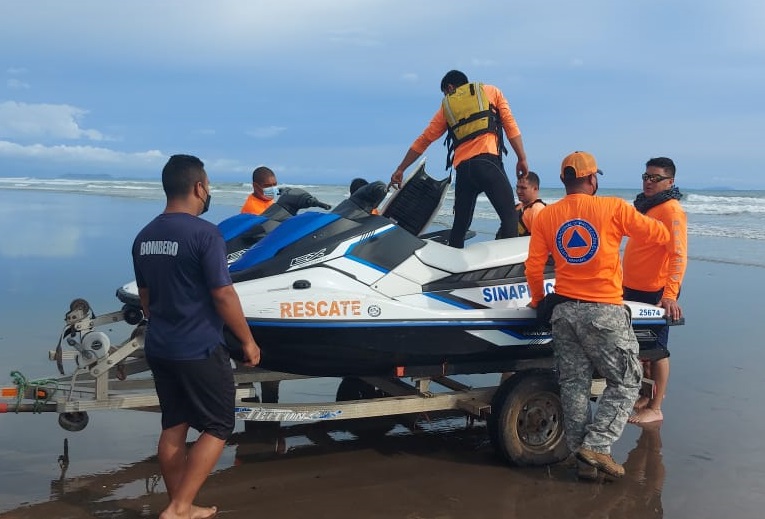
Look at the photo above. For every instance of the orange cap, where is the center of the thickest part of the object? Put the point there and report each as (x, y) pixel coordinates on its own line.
(583, 163)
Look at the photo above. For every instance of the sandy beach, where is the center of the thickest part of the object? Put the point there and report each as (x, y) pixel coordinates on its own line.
(704, 461)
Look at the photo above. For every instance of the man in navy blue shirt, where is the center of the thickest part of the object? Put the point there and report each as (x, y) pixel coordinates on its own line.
(187, 296)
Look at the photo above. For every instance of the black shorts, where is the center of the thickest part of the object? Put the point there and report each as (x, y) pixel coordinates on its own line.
(199, 392)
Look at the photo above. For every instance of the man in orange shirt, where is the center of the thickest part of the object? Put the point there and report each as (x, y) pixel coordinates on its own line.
(474, 115)
(529, 203)
(591, 328)
(264, 191)
(653, 273)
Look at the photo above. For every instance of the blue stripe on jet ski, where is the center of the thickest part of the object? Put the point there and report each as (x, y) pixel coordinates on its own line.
(349, 253)
(288, 232)
(455, 301)
(448, 301)
(239, 223)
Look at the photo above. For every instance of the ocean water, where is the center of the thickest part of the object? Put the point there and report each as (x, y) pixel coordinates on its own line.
(719, 215)
(67, 238)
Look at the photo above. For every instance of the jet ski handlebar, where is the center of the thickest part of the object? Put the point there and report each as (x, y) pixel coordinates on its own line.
(292, 199)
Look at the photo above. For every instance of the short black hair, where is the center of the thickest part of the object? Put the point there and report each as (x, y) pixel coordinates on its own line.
(357, 183)
(261, 173)
(180, 174)
(664, 163)
(533, 179)
(453, 77)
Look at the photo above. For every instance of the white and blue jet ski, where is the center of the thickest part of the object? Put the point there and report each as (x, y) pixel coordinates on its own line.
(348, 293)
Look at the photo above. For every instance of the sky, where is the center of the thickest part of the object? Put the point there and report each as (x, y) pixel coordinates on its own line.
(325, 91)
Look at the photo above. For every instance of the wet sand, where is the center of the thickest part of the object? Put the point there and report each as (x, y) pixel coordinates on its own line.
(442, 475)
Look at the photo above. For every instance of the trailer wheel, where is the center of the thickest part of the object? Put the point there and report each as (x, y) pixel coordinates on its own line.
(73, 422)
(352, 388)
(526, 421)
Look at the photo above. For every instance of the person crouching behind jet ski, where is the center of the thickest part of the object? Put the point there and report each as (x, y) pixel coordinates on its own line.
(473, 115)
(529, 203)
(591, 327)
(264, 191)
(358, 183)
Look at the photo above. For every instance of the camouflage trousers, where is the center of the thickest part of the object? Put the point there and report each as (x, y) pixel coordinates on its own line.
(590, 337)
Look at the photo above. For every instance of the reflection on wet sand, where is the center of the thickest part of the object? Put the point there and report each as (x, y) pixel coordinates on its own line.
(438, 468)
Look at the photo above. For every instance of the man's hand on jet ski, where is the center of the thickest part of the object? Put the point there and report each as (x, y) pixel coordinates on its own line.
(673, 310)
(396, 178)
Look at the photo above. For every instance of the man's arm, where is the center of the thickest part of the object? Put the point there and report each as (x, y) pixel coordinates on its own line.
(398, 176)
(435, 129)
(512, 131)
(677, 250)
(535, 266)
(522, 166)
(229, 307)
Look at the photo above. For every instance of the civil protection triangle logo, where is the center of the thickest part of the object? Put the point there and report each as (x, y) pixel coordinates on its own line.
(577, 241)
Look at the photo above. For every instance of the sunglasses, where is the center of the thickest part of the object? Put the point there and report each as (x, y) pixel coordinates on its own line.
(654, 178)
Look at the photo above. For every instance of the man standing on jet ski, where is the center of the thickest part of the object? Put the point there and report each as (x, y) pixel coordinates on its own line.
(591, 328)
(264, 191)
(473, 115)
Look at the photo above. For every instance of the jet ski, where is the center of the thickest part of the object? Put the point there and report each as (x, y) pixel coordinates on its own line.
(347, 293)
(328, 296)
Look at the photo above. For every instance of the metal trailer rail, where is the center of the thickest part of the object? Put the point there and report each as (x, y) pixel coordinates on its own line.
(523, 413)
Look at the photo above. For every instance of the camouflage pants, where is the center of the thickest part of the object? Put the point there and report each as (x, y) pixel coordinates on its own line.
(598, 337)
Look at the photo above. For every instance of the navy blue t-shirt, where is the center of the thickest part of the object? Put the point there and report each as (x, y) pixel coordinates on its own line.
(180, 258)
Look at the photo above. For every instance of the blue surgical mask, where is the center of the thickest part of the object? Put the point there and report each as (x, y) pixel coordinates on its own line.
(270, 192)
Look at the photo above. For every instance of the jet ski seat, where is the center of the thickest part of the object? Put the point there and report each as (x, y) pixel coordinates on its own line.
(478, 256)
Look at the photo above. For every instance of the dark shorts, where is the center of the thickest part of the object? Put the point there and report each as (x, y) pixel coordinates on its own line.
(662, 334)
(198, 392)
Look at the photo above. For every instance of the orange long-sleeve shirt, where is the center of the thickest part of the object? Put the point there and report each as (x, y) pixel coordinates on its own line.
(255, 205)
(583, 233)
(485, 143)
(650, 267)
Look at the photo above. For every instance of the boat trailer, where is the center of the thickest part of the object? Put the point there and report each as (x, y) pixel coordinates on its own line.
(523, 414)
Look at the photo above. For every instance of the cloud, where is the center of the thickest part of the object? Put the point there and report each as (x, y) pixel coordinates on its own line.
(266, 132)
(88, 154)
(410, 77)
(22, 120)
(16, 84)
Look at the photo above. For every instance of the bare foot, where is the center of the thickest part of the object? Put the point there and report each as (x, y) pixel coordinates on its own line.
(203, 512)
(641, 403)
(646, 415)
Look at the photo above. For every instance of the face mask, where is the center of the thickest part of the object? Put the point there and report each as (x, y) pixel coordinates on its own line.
(270, 192)
(207, 203)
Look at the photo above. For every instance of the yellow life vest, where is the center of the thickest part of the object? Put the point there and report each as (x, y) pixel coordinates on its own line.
(468, 114)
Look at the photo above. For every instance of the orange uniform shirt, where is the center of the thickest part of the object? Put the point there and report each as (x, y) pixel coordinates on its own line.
(583, 233)
(255, 205)
(485, 143)
(650, 267)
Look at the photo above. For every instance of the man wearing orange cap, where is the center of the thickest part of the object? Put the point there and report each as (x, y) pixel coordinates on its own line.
(591, 328)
